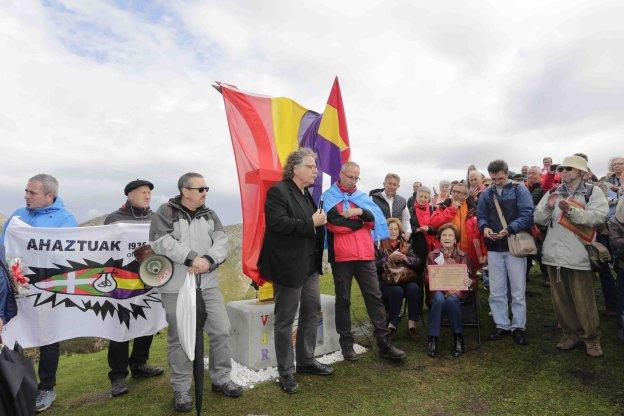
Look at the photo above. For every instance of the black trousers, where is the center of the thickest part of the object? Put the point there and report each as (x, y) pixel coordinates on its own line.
(119, 361)
(48, 364)
(365, 274)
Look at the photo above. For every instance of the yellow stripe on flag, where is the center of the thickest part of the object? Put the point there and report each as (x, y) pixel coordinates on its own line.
(286, 120)
(130, 284)
(329, 127)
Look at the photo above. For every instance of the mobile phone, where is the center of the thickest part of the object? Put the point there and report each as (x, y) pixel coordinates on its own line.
(494, 234)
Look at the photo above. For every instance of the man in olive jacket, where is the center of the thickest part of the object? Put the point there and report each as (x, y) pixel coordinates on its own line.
(192, 237)
(291, 257)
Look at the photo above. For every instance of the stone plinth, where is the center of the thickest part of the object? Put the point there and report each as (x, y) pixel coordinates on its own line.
(252, 342)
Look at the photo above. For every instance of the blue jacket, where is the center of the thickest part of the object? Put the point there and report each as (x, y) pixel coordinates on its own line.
(8, 306)
(52, 216)
(517, 206)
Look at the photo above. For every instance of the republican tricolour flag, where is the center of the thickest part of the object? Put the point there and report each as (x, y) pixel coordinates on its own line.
(264, 131)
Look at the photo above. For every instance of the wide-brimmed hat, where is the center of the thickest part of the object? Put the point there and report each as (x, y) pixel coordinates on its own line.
(575, 162)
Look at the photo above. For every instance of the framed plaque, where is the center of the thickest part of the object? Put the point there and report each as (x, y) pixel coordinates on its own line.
(447, 277)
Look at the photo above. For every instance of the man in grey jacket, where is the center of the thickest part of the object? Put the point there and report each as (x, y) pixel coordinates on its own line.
(192, 237)
(569, 268)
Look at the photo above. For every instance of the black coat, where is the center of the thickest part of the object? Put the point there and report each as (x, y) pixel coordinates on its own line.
(292, 248)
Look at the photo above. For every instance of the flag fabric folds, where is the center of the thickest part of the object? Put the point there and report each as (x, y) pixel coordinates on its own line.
(84, 282)
(264, 131)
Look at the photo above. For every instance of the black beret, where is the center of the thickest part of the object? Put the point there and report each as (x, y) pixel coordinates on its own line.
(137, 183)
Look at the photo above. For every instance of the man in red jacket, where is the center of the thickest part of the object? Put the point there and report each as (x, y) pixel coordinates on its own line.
(350, 218)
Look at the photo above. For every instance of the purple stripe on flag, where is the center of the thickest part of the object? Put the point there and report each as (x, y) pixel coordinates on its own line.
(126, 293)
(328, 161)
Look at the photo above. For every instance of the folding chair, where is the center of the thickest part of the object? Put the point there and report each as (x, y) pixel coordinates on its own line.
(470, 312)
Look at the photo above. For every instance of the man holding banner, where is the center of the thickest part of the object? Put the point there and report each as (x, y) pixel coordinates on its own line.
(135, 209)
(44, 208)
(192, 237)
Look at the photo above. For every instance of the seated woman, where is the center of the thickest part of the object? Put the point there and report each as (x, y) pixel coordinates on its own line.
(448, 302)
(395, 259)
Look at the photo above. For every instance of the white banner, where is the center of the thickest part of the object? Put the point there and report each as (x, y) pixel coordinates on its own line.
(84, 282)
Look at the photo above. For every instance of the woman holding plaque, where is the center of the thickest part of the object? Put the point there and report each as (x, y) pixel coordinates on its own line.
(447, 301)
(396, 268)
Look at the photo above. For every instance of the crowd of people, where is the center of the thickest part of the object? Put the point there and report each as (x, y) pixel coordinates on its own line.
(387, 243)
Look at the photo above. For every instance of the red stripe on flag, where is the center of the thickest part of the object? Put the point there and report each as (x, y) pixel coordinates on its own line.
(335, 100)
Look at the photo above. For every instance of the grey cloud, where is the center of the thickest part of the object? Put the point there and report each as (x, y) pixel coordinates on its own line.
(569, 85)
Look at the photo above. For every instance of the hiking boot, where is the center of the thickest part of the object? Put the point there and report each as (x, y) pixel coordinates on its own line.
(349, 354)
(593, 348)
(500, 333)
(389, 350)
(432, 347)
(315, 368)
(568, 343)
(288, 384)
(44, 400)
(229, 389)
(146, 370)
(182, 401)
(118, 387)
(459, 346)
(519, 336)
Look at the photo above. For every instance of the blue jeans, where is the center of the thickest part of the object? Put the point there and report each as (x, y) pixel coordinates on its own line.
(393, 298)
(439, 305)
(507, 274)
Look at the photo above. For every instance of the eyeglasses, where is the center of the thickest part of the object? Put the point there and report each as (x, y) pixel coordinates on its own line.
(353, 178)
(200, 189)
(566, 168)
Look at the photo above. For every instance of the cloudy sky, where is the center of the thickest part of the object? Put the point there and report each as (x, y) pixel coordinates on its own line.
(101, 92)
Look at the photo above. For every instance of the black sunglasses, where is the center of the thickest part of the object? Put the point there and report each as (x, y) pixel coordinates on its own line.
(200, 189)
(566, 168)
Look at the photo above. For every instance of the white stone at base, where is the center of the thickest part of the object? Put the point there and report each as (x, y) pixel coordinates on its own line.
(247, 377)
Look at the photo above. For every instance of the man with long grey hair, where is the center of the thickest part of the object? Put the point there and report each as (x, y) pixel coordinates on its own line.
(44, 208)
(291, 257)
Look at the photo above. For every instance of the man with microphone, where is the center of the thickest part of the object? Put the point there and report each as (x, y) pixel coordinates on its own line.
(291, 255)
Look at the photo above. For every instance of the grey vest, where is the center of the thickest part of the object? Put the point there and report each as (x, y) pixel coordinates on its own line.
(398, 205)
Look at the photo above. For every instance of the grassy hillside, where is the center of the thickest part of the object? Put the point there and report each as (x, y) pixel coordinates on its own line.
(495, 378)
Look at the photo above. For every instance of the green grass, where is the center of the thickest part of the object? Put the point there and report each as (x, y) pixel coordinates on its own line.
(496, 378)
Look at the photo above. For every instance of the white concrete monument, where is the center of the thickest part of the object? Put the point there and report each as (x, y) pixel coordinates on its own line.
(252, 342)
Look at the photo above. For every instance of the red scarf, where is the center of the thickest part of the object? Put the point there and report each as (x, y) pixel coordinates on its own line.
(423, 214)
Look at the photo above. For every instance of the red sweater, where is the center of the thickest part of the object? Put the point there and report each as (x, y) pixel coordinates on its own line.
(350, 239)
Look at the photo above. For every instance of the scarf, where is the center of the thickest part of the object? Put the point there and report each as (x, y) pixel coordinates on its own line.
(334, 195)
